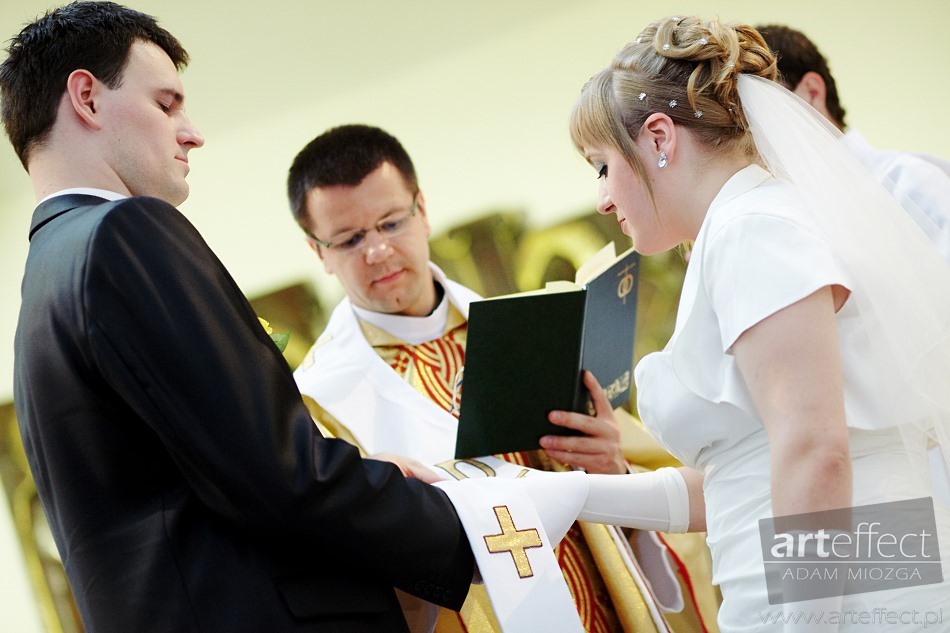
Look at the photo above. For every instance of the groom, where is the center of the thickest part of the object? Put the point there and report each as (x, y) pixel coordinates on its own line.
(184, 482)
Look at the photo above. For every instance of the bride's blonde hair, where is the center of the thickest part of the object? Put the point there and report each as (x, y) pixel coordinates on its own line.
(683, 67)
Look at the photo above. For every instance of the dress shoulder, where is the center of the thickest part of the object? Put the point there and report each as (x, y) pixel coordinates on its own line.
(759, 257)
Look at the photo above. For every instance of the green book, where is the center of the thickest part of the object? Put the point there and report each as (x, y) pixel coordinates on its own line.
(526, 354)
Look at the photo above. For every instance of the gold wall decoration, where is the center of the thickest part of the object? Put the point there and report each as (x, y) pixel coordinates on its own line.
(43, 565)
(295, 309)
(481, 254)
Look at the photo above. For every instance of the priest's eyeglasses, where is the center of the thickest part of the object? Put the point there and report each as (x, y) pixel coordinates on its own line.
(389, 227)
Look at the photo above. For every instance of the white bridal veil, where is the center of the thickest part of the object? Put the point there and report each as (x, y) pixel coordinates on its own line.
(901, 284)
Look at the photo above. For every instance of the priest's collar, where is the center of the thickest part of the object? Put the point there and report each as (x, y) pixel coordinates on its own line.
(86, 191)
(411, 329)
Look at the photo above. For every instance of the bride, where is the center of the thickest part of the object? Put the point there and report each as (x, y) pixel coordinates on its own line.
(809, 366)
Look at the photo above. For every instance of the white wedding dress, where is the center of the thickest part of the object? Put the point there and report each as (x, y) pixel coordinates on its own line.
(754, 256)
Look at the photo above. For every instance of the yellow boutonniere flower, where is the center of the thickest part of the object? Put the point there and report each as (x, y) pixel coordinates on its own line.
(266, 324)
(280, 340)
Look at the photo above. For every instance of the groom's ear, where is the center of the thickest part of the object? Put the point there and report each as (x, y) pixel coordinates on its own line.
(82, 93)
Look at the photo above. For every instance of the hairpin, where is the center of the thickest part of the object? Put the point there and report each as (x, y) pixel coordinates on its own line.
(698, 114)
(703, 41)
(666, 47)
(675, 19)
(643, 96)
(673, 103)
(639, 39)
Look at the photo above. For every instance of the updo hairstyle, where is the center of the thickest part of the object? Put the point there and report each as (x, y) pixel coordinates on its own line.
(684, 68)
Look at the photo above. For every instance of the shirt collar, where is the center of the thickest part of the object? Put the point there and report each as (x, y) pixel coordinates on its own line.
(105, 194)
(411, 329)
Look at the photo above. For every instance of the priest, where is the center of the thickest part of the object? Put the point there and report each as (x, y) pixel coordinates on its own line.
(383, 376)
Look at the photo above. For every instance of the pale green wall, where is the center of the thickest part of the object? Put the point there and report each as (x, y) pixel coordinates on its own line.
(482, 109)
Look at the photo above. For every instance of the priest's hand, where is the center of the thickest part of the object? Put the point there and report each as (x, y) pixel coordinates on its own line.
(598, 450)
(410, 467)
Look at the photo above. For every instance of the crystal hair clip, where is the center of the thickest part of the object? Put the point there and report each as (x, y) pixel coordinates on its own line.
(673, 103)
(698, 114)
(642, 96)
(703, 41)
(666, 47)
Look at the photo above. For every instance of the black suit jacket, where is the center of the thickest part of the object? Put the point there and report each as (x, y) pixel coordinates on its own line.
(183, 478)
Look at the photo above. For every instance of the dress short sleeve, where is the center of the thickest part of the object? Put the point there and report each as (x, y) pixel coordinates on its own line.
(755, 264)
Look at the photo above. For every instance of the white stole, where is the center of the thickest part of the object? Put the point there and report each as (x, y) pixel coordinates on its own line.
(347, 378)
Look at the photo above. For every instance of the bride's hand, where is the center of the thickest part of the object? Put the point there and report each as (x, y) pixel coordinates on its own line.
(598, 450)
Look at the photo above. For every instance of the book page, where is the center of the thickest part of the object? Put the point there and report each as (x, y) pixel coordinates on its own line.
(596, 264)
(560, 286)
(549, 288)
(589, 270)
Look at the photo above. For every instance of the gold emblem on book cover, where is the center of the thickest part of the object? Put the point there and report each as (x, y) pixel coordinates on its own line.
(627, 282)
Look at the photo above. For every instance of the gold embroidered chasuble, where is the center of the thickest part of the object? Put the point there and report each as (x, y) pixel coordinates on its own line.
(607, 597)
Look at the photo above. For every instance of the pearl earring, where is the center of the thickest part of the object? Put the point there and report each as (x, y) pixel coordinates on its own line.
(662, 162)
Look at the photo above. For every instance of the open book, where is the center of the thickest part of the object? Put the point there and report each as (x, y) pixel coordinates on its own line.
(526, 354)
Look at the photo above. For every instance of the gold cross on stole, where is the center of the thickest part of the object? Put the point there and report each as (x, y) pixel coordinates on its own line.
(513, 541)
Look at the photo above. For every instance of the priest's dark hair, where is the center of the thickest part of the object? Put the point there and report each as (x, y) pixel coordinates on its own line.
(93, 36)
(344, 155)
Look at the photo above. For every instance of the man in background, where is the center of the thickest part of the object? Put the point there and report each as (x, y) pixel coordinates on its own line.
(184, 482)
(383, 373)
(918, 178)
(915, 180)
